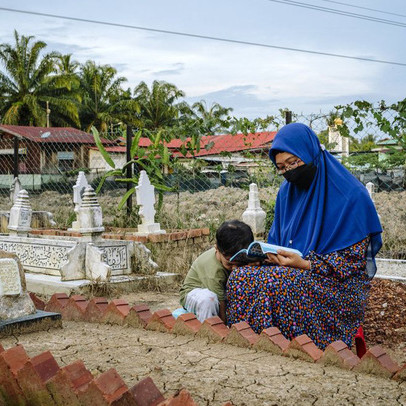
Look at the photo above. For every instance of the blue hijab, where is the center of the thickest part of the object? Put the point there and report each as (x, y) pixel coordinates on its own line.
(334, 213)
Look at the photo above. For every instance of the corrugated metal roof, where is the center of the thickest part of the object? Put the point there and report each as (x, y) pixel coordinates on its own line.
(229, 143)
(221, 143)
(62, 135)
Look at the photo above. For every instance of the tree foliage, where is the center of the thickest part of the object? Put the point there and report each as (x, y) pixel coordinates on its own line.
(390, 120)
(28, 81)
(104, 102)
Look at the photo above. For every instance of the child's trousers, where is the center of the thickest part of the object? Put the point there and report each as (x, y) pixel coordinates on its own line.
(203, 303)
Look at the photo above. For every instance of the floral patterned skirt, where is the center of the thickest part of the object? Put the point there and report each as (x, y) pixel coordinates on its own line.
(326, 307)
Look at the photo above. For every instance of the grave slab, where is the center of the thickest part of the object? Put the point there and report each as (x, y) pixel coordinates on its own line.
(48, 284)
(33, 322)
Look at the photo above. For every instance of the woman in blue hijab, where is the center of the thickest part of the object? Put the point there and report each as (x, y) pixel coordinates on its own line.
(323, 211)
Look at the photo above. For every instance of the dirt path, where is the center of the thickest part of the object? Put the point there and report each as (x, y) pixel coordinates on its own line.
(213, 373)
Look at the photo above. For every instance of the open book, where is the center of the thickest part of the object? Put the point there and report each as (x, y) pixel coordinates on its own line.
(257, 250)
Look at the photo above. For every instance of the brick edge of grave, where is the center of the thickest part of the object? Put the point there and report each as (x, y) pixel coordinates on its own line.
(41, 379)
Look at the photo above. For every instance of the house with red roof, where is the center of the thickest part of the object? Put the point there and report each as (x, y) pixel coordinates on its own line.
(238, 150)
(43, 150)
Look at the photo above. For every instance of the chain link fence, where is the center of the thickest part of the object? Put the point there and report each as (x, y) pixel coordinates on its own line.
(48, 161)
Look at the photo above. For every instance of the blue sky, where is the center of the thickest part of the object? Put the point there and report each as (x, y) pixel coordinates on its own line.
(254, 81)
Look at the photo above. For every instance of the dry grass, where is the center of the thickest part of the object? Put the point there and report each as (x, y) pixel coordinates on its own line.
(209, 209)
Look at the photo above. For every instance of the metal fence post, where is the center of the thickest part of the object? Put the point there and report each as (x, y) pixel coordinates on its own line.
(129, 168)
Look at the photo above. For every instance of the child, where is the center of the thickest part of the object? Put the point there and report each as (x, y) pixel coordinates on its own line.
(203, 290)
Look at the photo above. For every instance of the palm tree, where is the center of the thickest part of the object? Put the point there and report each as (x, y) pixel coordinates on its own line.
(214, 118)
(104, 102)
(65, 64)
(158, 107)
(27, 83)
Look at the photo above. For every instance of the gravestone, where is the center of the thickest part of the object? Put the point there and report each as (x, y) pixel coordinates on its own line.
(78, 191)
(146, 200)
(14, 298)
(90, 216)
(20, 215)
(371, 190)
(15, 190)
(254, 216)
(17, 311)
(341, 145)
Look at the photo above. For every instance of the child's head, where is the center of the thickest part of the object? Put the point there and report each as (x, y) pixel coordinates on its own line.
(232, 236)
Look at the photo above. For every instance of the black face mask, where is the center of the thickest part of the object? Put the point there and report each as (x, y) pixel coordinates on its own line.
(302, 176)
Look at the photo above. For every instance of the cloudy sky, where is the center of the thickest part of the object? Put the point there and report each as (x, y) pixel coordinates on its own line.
(253, 80)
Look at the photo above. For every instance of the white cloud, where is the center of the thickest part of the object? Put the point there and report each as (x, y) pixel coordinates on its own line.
(251, 78)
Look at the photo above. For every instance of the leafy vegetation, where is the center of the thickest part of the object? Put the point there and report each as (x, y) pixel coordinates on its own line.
(29, 82)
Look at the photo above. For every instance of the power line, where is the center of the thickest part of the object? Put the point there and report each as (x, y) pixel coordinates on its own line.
(340, 12)
(365, 8)
(185, 34)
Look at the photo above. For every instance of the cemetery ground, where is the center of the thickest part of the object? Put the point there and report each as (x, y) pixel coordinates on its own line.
(216, 373)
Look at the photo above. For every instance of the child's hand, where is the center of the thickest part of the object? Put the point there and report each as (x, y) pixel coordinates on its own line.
(286, 258)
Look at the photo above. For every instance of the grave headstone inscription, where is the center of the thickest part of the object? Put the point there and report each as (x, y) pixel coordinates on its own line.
(14, 298)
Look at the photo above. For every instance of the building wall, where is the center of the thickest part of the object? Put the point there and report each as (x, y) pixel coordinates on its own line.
(29, 155)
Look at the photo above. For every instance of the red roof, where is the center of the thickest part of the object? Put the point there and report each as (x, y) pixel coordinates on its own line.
(229, 143)
(65, 135)
(144, 142)
(221, 143)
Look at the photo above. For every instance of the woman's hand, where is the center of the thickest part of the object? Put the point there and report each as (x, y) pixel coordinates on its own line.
(286, 258)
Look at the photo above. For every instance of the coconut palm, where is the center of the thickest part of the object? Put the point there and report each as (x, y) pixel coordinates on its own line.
(104, 101)
(159, 107)
(28, 82)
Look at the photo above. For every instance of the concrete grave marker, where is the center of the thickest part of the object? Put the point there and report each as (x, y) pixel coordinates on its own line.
(15, 190)
(146, 200)
(78, 191)
(14, 298)
(20, 215)
(90, 216)
(254, 216)
(341, 144)
(10, 283)
(371, 190)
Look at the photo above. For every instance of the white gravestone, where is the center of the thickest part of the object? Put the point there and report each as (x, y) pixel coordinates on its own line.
(341, 144)
(78, 190)
(371, 190)
(20, 215)
(14, 299)
(254, 216)
(15, 190)
(10, 283)
(90, 216)
(146, 200)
